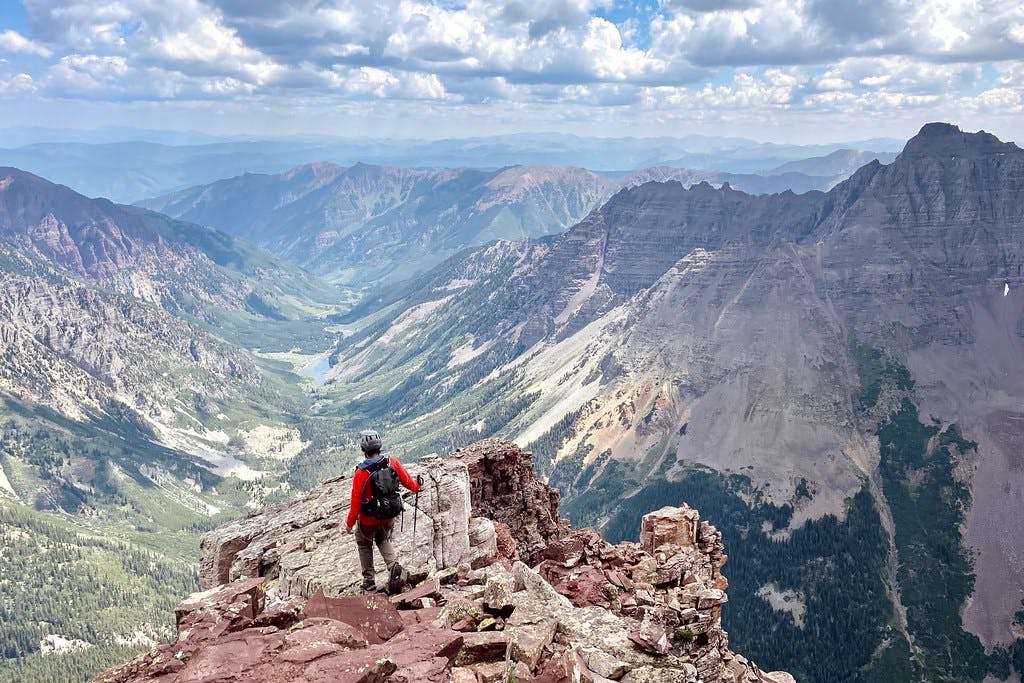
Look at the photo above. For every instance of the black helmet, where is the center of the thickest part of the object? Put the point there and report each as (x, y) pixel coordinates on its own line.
(370, 441)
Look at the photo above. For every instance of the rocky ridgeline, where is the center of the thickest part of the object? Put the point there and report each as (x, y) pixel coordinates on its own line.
(278, 604)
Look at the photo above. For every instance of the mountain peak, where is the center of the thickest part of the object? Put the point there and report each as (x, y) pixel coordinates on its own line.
(941, 140)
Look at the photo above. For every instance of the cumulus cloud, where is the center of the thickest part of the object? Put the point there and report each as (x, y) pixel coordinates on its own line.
(14, 84)
(810, 31)
(675, 58)
(12, 41)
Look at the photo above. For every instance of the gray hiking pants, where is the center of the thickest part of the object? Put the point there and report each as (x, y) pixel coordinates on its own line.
(365, 538)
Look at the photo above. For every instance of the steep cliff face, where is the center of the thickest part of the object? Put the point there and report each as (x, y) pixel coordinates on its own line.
(142, 254)
(589, 611)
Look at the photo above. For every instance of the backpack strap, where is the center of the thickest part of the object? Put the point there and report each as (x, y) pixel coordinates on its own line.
(374, 464)
(370, 466)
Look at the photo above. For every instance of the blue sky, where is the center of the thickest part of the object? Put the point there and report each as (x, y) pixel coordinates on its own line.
(783, 70)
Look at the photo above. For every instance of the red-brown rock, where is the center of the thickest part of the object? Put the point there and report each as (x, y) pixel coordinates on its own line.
(669, 525)
(243, 598)
(484, 646)
(373, 615)
(410, 599)
(321, 630)
(583, 586)
(505, 489)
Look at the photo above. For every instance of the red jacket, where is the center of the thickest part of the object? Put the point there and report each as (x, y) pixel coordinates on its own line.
(360, 486)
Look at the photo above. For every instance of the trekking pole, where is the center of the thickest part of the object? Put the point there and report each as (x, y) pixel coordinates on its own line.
(416, 509)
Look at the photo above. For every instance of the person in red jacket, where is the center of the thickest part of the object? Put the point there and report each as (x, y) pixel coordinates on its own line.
(371, 528)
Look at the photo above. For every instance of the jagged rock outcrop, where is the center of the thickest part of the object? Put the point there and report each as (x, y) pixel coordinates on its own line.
(276, 607)
(505, 489)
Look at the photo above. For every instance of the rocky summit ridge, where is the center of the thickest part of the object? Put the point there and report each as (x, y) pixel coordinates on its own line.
(504, 590)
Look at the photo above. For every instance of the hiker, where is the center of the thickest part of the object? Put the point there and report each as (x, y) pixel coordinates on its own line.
(375, 504)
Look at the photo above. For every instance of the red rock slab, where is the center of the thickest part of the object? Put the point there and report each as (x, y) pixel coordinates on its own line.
(354, 666)
(652, 639)
(583, 585)
(529, 640)
(420, 642)
(489, 672)
(419, 616)
(410, 599)
(669, 525)
(230, 658)
(618, 579)
(281, 614)
(566, 667)
(373, 614)
(567, 551)
(508, 548)
(308, 652)
(434, 670)
(484, 646)
(247, 591)
(320, 630)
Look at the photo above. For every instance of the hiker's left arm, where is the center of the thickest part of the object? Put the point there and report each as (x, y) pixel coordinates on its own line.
(403, 476)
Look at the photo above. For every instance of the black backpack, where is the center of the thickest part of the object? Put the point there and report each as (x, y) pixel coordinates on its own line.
(386, 502)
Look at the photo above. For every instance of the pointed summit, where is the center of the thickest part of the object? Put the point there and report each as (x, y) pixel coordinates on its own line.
(944, 140)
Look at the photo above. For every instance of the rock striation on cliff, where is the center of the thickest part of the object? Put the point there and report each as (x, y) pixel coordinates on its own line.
(278, 603)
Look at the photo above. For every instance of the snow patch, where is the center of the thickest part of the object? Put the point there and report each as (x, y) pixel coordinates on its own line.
(5, 485)
(59, 645)
(784, 600)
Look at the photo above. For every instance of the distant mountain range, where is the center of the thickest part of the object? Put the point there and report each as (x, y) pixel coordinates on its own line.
(154, 163)
(364, 225)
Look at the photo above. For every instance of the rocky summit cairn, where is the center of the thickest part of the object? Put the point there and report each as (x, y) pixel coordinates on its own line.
(516, 595)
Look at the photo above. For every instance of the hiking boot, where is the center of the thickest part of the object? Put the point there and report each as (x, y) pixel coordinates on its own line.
(368, 589)
(398, 577)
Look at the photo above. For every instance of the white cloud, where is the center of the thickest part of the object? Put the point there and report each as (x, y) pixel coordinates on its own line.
(741, 59)
(816, 31)
(13, 85)
(367, 81)
(83, 73)
(12, 41)
(998, 100)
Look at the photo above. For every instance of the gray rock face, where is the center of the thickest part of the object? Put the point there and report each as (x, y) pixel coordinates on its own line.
(303, 545)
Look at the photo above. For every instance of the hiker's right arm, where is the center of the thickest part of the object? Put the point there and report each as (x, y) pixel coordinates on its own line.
(357, 489)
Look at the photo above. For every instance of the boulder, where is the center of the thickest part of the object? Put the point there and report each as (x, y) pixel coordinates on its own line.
(669, 525)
